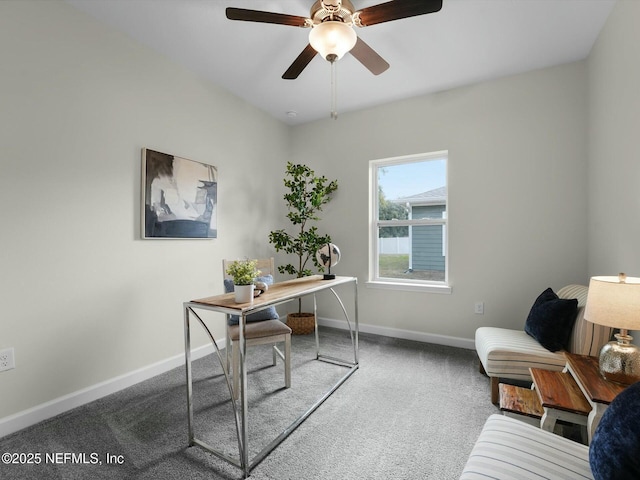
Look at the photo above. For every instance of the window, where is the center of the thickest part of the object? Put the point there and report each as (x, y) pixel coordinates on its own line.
(408, 217)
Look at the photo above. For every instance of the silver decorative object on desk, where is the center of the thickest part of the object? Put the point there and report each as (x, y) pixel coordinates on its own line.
(328, 256)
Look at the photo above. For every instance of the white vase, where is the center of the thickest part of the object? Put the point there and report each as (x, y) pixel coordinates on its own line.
(244, 293)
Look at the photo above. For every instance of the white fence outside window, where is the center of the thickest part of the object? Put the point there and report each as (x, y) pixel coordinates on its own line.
(394, 245)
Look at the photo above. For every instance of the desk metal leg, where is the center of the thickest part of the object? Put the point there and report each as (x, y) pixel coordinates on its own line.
(315, 316)
(187, 359)
(353, 333)
(242, 344)
(192, 439)
(356, 347)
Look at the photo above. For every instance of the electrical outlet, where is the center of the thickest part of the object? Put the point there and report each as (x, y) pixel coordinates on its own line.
(479, 308)
(7, 359)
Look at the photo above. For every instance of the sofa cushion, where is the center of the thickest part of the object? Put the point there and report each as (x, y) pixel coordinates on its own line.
(615, 448)
(551, 320)
(509, 449)
(507, 353)
(266, 314)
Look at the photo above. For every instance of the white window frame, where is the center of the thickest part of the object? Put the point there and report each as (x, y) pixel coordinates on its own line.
(375, 281)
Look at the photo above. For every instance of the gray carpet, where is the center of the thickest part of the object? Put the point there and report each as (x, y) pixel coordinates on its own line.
(412, 411)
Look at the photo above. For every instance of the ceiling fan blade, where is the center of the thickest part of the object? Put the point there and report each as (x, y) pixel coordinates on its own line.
(397, 9)
(369, 58)
(265, 17)
(300, 63)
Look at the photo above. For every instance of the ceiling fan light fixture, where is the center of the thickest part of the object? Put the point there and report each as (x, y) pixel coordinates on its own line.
(332, 39)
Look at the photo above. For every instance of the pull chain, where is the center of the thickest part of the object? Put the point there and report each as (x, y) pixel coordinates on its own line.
(334, 91)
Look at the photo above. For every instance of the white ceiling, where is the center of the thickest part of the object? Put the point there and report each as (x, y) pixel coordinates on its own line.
(468, 41)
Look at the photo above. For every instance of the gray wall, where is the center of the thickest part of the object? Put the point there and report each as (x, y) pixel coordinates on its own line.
(517, 203)
(614, 152)
(82, 298)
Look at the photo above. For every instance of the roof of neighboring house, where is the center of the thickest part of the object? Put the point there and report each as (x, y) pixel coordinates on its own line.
(437, 196)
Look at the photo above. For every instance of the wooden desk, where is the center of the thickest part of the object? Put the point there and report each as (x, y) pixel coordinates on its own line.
(598, 391)
(277, 294)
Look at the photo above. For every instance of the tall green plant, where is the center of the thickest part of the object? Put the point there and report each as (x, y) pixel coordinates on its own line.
(307, 194)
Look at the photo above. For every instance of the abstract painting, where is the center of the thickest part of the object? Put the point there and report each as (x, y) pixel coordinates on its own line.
(179, 197)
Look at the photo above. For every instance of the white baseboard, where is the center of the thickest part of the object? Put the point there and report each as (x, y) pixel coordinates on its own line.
(31, 416)
(404, 334)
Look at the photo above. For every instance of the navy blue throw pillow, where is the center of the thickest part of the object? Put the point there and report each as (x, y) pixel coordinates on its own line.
(551, 320)
(614, 452)
(267, 314)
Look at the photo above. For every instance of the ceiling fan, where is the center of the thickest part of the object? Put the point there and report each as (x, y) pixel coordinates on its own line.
(332, 34)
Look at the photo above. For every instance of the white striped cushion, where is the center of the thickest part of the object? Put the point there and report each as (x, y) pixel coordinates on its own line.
(588, 338)
(509, 353)
(509, 449)
(579, 292)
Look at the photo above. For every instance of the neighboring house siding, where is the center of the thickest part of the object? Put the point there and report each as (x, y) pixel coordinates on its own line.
(427, 252)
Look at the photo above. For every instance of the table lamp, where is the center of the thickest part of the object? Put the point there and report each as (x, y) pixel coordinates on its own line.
(615, 302)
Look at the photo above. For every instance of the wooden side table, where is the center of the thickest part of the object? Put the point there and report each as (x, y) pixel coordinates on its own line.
(598, 391)
(578, 395)
(521, 403)
(560, 397)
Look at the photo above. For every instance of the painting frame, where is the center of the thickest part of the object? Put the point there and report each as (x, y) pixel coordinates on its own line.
(179, 197)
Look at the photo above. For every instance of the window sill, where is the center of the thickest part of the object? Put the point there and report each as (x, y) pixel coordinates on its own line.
(410, 287)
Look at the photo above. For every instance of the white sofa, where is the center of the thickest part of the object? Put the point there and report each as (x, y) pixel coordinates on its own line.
(509, 354)
(509, 449)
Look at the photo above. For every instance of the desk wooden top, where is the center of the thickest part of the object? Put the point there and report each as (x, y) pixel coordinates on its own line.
(587, 371)
(277, 293)
(559, 390)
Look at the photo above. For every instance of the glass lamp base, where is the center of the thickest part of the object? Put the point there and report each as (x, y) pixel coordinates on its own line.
(620, 361)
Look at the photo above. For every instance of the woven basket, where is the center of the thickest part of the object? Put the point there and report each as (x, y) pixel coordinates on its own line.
(301, 323)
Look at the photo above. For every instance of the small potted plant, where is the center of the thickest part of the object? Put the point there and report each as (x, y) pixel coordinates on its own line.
(243, 273)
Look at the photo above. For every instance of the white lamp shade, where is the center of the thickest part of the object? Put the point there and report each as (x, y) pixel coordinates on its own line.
(613, 303)
(332, 38)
